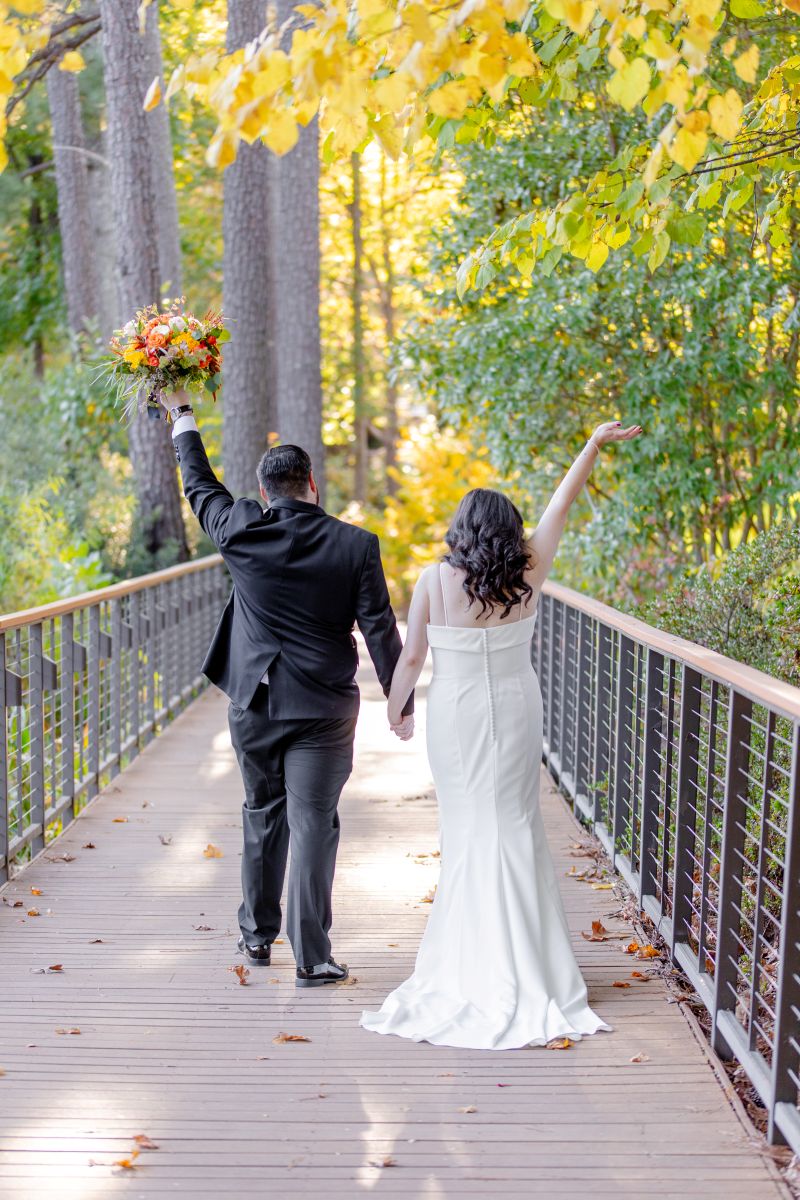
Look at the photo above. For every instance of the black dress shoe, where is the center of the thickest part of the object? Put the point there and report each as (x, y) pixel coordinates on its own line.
(329, 972)
(260, 955)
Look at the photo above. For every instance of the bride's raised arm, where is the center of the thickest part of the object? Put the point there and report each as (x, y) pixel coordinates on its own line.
(547, 534)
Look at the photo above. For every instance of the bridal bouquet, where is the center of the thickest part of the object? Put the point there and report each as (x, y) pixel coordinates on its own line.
(161, 352)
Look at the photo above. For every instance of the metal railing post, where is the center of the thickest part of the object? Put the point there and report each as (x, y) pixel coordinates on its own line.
(654, 687)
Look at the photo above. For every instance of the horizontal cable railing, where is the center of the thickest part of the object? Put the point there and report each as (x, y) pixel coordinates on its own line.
(686, 765)
(85, 683)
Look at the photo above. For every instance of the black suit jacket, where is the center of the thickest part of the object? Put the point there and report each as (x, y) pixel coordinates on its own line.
(301, 579)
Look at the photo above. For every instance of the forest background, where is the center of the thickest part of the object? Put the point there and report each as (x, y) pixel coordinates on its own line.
(416, 392)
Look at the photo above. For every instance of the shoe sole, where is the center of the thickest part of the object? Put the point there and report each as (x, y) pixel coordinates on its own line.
(308, 983)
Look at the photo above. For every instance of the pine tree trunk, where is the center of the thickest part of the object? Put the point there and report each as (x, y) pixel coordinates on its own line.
(163, 169)
(297, 271)
(249, 412)
(389, 324)
(357, 298)
(74, 214)
(127, 63)
(104, 241)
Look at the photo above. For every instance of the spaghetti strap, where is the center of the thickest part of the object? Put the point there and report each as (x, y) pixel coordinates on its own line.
(444, 601)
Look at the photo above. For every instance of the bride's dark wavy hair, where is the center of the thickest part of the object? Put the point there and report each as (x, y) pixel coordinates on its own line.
(487, 540)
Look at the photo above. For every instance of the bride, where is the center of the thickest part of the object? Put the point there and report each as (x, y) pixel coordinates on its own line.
(495, 968)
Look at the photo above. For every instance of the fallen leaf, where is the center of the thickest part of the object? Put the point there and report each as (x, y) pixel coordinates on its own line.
(75, 1030)
(95, 941)
(36, 891)
(33, 912)
(31, 1046)
(56, 967)
(647, 951)
(641, 1057)
(212, 851)
(282, 1038)
(127, 1164)
(120, 820)
(241, 972)
(16, 904)
(428, 898)
(349, 982)
(393, 944)
(470, 1108)
(384, 1162)
(560, 1044)
(89, 846)
(262, 1058)
(620, 983)
(165, 839)
(504, 1085)
(278, 941)
(144, 1142)
(631, 947)
(445, 1075)
(274, 980)
(602, 887)
(2, 1071)
(639, 975)
(203, 928)
(60, 857)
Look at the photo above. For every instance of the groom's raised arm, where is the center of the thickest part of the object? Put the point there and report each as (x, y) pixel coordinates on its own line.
(210, 500)
(377, 621)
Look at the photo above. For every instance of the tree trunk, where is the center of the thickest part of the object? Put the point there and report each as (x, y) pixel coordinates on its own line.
(127, 63)
(296, 259)
(74, 214)
(297, 270)
(359, 407)
(163, 169)
(104, 241)
(387, 295)
(249, 412)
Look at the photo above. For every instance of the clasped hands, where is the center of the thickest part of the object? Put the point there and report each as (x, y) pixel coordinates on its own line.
(404, 728)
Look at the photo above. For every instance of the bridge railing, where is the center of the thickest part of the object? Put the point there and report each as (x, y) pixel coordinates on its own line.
(686, 765)
(85, 683)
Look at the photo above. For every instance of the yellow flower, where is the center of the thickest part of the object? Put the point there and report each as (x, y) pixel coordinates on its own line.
(133, 357)
(186, 340)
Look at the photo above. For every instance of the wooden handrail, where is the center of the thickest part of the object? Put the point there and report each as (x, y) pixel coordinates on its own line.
(31, 616)
(760, 687)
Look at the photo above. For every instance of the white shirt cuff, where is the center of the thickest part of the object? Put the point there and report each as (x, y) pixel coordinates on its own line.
(184, 424)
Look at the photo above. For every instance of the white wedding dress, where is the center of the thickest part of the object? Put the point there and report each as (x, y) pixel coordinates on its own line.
(495, 969)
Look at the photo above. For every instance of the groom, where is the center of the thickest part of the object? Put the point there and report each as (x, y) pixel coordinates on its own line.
(285, 655)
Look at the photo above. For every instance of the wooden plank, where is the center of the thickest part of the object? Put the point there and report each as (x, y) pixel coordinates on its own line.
(172, 1046)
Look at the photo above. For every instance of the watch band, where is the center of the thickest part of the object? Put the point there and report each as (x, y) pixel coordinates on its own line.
(180, 411)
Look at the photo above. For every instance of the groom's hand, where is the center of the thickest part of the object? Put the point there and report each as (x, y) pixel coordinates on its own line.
(405, 728)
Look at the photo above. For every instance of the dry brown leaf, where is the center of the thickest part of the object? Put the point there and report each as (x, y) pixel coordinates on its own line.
(445, 1075)
(33, 912)
(165, 839)
(641, 1057)
(469, 1108)
(602, 887)
(73, 1031)
(144, 1142)
(120, 820)
(281, 1038)
(241, 972)
(622, 983)
(95, 941)
(631, 947)
(274, 980)
(349, 982)
(16, 904)
(428, 898)
(129, 1163)
(560, 1044)
(639, 975)
(89, 846)
(393, 944)
(279, 941)
(647, 951)
(2, 1072)
(36, 892)
(384, 1162)
(56, 967)
(203, 928)
(212, 851)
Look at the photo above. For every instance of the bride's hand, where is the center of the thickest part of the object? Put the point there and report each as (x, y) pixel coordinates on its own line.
(612, 431)
(404, 728)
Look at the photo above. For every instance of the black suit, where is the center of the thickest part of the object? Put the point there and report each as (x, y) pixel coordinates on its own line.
(301, 580)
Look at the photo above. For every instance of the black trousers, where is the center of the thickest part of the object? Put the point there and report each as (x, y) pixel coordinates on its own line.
(293, 774)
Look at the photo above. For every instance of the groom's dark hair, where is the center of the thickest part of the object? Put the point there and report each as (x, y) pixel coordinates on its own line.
(284, 471)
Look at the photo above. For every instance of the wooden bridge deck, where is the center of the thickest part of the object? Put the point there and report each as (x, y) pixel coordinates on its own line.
(172, 1047)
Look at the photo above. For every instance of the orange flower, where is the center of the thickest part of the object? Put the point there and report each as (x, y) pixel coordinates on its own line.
(155, 341)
